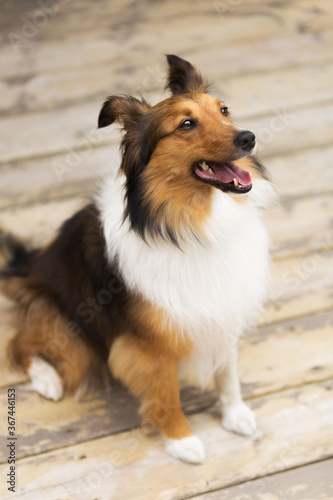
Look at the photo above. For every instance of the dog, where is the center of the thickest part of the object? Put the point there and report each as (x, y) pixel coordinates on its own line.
(161, 273)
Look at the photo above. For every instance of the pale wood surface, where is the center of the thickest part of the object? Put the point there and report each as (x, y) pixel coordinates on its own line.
(28, 182)
(309, 482)
(128, 31)
(272, 63)
(130, 465)
(310, 126)
(292, 234)
(280, 356)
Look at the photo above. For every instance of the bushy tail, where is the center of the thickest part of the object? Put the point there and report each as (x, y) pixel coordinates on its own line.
(15, 258)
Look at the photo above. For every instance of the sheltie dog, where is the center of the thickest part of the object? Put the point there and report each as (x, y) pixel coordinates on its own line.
(161, 273)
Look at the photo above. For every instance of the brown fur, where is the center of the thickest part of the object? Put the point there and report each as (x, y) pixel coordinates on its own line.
(186, 203)
(70, 303)
(150, 371)
(44, 332)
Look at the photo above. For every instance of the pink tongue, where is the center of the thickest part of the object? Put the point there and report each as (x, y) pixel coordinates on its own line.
(227, 172)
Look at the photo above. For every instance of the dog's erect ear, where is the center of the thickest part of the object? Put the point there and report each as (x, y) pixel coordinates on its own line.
(126, 110)
(183, 77)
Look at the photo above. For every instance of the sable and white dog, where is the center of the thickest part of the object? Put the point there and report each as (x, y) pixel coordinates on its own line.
(161, 272)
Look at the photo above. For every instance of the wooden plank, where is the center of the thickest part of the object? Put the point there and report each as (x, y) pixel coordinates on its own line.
(58, 424)
(51, 178)
(255, 56)
(312, 481)
(287, 354)
(300, 226)
(132, 33)
(80, 16)
(296, 227)
(48, 133)
(40, 222)
(74, 128)
(268, 362)
(303, 173)
(130, 465)
(245, 94)
(87, 79)
(277, 131)
(299, 286)
(251, 95)
(299, 174)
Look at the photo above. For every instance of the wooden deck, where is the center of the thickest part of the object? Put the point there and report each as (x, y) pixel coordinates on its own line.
(272, 62)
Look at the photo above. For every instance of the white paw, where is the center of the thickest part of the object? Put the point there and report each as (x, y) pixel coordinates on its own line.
(45, 380)
(239, 418)
(189, 449)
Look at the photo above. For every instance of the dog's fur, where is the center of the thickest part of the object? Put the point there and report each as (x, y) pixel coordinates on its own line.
(162, 272)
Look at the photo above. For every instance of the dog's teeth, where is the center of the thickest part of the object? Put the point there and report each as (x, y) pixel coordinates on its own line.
(235, 182)
(203, 165)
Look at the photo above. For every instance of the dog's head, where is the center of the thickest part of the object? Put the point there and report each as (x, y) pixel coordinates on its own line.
(175, 153)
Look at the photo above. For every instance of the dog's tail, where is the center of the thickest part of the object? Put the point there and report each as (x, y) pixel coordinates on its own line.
(15, 257)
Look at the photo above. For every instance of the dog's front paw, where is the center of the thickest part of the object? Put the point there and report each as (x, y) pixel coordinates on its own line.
(189, 449)
(239, 418)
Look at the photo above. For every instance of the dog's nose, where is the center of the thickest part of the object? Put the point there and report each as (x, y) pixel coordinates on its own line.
(245, 140)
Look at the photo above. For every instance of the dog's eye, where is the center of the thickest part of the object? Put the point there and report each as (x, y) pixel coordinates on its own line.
(224, 111)
(188, 124)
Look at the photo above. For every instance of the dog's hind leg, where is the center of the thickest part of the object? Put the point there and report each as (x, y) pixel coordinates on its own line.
(45, 379)
(50, 351)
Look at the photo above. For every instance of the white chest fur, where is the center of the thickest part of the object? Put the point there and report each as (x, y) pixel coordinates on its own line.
(211, 291)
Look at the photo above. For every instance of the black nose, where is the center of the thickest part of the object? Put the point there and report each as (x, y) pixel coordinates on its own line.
(245, 140)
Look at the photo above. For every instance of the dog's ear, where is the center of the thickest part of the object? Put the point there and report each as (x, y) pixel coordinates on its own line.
(139, 139)
(183, 77)
(125, 110)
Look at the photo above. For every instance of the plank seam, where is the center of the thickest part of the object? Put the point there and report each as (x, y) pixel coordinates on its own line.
(247, 481)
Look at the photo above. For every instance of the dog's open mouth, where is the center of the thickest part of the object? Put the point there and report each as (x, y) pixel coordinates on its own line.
(225, 176)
